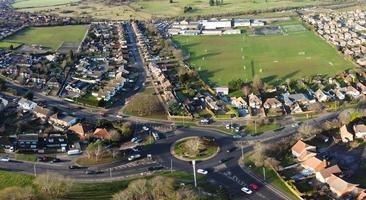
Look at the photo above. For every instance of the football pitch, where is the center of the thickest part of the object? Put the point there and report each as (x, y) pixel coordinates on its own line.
(296, 53)
(40, 3)
(52, 37)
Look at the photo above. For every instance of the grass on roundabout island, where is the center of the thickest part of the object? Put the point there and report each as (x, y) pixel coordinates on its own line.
(195, 148)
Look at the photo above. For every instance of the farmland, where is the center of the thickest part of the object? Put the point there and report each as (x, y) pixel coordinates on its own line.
(274, 58)
(40, 3)
(51, 37)
(141, 9)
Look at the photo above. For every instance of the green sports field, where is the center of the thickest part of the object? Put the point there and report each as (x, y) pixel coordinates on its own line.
(51, 37)
(40, 3)
(296, 54)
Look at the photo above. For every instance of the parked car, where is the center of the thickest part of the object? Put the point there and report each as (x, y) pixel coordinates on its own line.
(237, 136)
(134, 157)
(231, 149)
(145, 128)
(246, 190)
(5, 159)
(205, 121)
(136, 149)
(228, 126)
(55, 160)
(202, 171)
(156, 136)
(253, 186)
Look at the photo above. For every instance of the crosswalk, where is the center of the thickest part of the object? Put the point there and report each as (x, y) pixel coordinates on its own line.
(130, 165)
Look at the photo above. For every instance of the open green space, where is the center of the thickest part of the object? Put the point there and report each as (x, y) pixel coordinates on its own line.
(259, 129)
(142, 9)
(40, 3)
(7, 45)
(51, 37)
(195, 148)
(297, 54)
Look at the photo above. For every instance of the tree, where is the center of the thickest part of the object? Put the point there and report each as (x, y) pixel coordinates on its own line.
(127, 129)
(29, 95)
(115, 136)
(345, 116)
(259, 154)
(306, 131)
(90, 149)
(17, 193)
(53, 186)
(3, 86)
(193, 145)
(99, 151)
(257, 83)
(211, 2)
(171, 1)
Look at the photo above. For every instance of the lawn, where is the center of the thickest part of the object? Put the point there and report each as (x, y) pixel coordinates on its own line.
(251, 129)
(40, 3)
(274, 58)
(6, 45)
(142, 9)
(51, 37)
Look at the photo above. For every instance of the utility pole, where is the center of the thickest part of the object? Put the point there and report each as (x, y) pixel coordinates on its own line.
(171, 165)
(264, 173)
(242, 152)
(110, 172)
(194, 172)
(34, 169)
(255, 126)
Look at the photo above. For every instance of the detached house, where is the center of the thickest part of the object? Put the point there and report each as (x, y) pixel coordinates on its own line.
(272, 103)
(238, 102)
(346, 135)
(26, 104)
(303, 151)
(360, 131)
(41, 112)
(339, 186)
(101, 133)
(80, 130)
(62, 119)
(324, 174)
(321, 96)
(254, 101)
(314, 164)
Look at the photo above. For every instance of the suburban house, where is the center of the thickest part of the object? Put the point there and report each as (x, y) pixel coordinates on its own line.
(80, 130)
(352, 92)
(272, 103)
(321, 96)
(339, 186)
(314, 164)
(27, 142)
(301, 149)
(324, 174)
(56, 142)
(361, 87)
(346, 135)
(41, 112)
(254, 101)
(26, 104)
(238, 102)
(360, 131)
(222, 90)
(62, 119)
(101, 133)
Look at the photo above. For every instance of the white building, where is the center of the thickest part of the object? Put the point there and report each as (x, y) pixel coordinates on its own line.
(241, 22)
(215, 24)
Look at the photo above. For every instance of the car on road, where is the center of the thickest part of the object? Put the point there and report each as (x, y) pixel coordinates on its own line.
(134, 139)
(74, 167)
(224, 160)
(295, 125)
(134, 157)
(91, 172)
(155, 168)
(5, 159)
(202, 171)
(145, 128)
(136, 149)
(253, 186)
(246, 190)
(55, 160)
(231, 149)
(237, 136)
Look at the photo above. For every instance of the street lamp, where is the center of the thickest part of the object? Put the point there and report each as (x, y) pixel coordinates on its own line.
(194, 172)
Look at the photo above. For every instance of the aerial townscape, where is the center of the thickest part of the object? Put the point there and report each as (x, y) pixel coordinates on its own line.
(182, 99)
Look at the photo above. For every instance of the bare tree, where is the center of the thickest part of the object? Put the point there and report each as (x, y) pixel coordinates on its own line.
(99, 151)
(53, 186)
(306, 131)
(259, 154)
(90, 150)
(193, 145)
(17, 193)
(345, 116)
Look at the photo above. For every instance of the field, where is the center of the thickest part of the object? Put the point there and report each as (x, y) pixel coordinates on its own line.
(40, 3)
(7, 45)
(220, 59)
(51, 37)
(141, 9)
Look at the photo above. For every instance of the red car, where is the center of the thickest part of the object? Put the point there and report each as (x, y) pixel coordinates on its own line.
(253, 186)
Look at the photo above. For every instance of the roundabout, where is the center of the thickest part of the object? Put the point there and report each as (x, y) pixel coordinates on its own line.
(195, 148)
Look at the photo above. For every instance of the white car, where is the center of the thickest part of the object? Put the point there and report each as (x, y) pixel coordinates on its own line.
(246, 190)
(205, 121)
(228, 126)
(145, 128)
(134, 139)
(237, 136)
(202, 171)
(156, 136)
(5, 159)
(134, 157)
